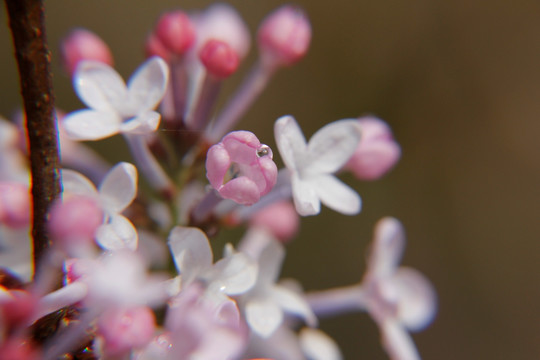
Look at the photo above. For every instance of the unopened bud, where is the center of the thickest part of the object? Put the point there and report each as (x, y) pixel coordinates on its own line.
(82, 44)
(284, 36)
(176, 32)
(219, 58)
(126, 329)
(377, 151)
(14, 205)
(280, 219)
(74, 221)
(154, 47)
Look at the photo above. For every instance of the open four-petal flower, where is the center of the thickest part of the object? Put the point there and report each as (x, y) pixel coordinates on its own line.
(116, 192)
(266, 302)
(234, 274)
(313, 164)
(114, 107)
(398, 298)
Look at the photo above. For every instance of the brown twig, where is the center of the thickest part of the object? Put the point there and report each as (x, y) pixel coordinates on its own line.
(26, 20)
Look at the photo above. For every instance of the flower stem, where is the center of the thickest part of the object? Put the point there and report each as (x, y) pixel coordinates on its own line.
(26, 20)
(337, 301)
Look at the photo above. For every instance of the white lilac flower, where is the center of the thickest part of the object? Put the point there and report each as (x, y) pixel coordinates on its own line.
(264, 305)
(397, 298)
(116, 279)
(318, 346)
(312, 164)
(113, 106)
(115, 193)
(285, 344)
(198, 328)
(233, 275)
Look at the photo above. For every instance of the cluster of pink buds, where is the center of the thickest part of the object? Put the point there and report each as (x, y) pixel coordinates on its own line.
(132, 272)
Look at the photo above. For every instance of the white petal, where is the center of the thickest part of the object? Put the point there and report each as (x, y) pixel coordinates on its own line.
(191, 252)
(336, 195)
(417, 302)
(147, 85)
(119, 187)
(142, 124)
(397, 342)
(270, 261)
(98, 85)
(65, 296)
(290, 141)
(332, 146)
(118, 234)
(91, 124)
(263, 316)
(76, 183)
(234, 274)
(305, 197)
(293, 303)
(387, 248)
(318, 346)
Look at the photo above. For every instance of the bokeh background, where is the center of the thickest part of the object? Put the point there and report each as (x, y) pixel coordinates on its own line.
(459, 82)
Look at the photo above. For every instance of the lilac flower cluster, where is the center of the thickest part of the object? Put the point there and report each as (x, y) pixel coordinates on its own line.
(131, 274)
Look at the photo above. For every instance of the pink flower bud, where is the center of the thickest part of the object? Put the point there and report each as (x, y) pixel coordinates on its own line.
(154, 47)
(19, 349)
(284, 36)
(280, 219)
(82, 44)
(126, 329)
(219, 58)
(14, 205)
(377, 151)
(176, 32)
(222, 22)
(18, 308)
(74, 220)
(240, 168)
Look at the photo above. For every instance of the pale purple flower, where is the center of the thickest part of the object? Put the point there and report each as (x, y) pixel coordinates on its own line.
(116, 192)
(240, 168)
(312, 165)
(113, 106)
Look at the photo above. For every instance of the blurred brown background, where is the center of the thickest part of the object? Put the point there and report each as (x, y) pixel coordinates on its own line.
(459, 82)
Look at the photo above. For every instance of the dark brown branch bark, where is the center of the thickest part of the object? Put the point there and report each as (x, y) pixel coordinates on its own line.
(26, 19)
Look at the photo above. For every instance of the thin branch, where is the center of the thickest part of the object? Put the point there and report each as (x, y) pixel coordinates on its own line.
(26, 19)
